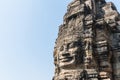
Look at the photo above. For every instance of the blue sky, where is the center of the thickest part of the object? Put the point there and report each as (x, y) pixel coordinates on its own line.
(28, 29)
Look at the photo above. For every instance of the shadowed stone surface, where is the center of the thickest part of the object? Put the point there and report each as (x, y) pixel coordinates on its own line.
(88, 43)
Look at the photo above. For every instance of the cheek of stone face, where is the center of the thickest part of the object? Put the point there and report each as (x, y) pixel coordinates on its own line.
(73, 50)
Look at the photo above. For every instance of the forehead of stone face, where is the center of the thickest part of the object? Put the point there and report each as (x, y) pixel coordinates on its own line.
(66, 40)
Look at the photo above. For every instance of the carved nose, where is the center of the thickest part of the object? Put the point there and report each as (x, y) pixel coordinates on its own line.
(65, 54)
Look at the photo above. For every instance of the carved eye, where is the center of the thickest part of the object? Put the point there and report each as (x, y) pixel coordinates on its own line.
(61, 48)
(71, 45)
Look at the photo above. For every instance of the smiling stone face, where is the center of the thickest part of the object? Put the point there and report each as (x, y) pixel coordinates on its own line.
(69, 53)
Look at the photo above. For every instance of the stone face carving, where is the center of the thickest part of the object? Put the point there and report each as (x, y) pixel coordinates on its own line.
(88, 43)
(68, 53)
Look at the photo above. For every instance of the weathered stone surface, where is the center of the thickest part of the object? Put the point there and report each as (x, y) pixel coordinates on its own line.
(88, 43)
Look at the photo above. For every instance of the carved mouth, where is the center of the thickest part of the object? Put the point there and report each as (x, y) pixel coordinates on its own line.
(66, 59)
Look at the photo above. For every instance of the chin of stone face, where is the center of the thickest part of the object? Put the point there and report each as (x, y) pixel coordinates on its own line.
(88, 42)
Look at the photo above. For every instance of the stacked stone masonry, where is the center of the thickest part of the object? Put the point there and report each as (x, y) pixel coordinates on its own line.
(88, 43)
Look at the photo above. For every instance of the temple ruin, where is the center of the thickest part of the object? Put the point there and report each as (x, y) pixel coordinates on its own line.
(88, 43)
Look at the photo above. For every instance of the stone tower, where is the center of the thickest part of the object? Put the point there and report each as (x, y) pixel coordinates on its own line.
(88, 43)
